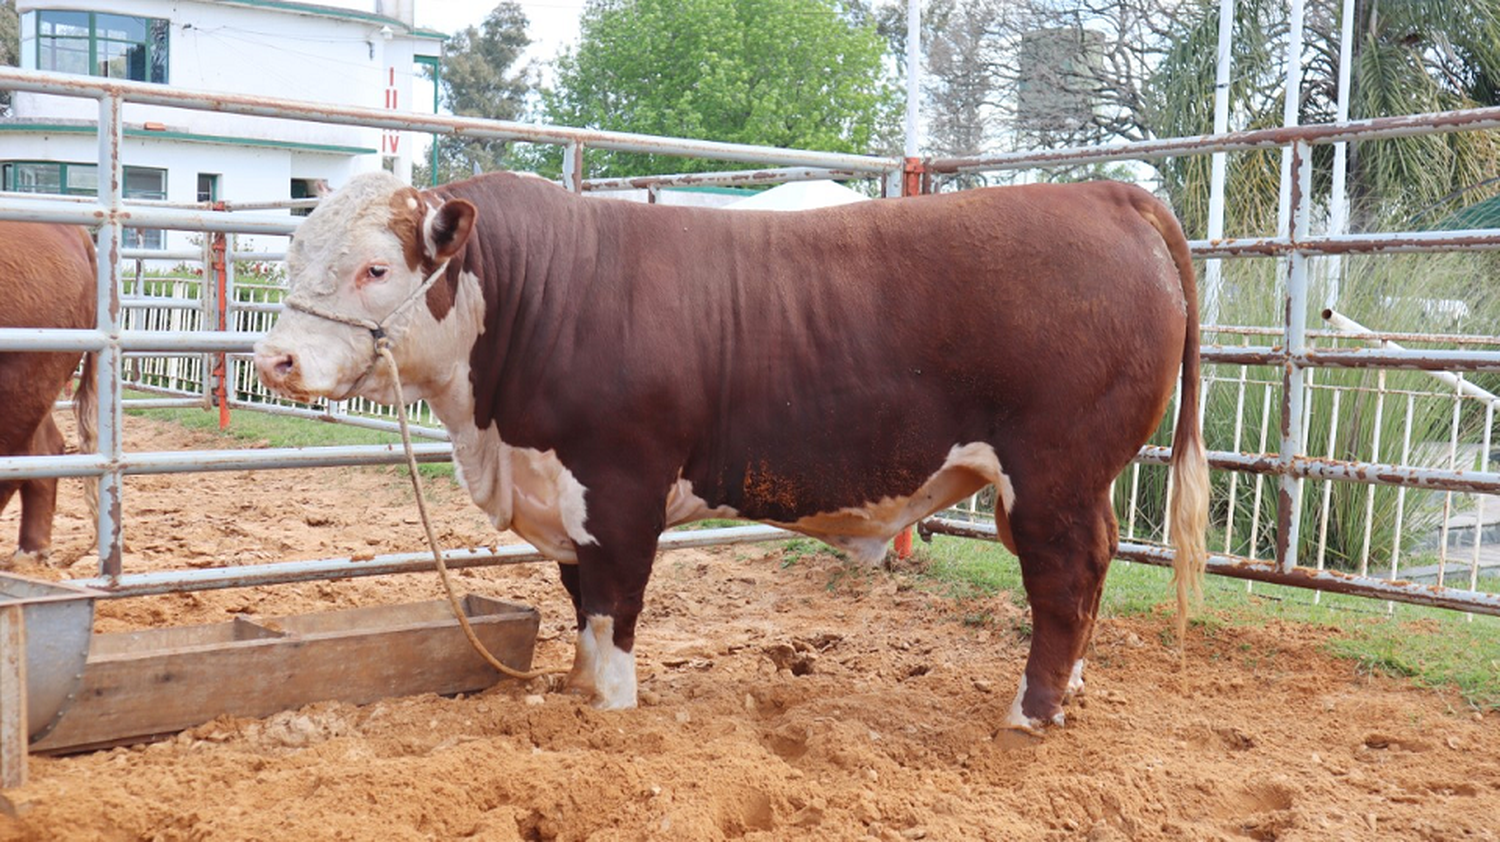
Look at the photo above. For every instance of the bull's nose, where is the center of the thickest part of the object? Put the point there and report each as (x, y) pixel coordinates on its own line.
(274, 367)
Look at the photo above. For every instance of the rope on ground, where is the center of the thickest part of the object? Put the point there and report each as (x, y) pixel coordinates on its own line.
(382, 347)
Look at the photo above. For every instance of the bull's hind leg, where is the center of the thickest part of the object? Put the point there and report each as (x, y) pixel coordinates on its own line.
(1065, 553)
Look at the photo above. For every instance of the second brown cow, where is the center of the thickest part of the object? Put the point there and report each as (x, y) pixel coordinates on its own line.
(47, 280)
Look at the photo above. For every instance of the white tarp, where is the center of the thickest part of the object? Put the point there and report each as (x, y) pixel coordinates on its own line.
(799, 195)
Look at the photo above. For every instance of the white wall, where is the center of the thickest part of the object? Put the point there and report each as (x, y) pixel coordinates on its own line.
(258, 52)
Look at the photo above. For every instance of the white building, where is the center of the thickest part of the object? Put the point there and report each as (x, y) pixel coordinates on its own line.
(355, 53)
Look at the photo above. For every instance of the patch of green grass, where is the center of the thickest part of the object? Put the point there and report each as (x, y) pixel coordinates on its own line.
(710, 523)
(261, 429)
(796, 549)
(1433, 647)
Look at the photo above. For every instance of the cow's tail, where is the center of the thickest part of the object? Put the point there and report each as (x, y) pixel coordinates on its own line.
(1190, 486)
(86, 412)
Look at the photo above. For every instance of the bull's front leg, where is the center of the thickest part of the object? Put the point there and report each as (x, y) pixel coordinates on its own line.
(608, 587)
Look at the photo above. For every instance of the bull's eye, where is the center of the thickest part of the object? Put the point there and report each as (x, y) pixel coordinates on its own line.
(373, 273)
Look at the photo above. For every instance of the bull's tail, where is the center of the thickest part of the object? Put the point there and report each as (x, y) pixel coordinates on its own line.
(86, 412)
(1190, 487)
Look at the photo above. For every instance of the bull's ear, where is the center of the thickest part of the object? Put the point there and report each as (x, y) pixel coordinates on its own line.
(449, 228)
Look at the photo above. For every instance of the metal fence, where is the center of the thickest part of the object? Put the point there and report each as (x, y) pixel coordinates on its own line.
(1259, 501)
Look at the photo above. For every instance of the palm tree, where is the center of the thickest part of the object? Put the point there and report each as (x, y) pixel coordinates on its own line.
(1408, 56)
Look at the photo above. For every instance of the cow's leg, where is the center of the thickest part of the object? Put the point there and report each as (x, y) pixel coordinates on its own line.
(580, 678)
(614, 563)
(1065, 553)
(39, 496)
(1075, 678)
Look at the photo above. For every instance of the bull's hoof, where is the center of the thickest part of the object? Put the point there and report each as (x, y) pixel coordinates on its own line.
(22, 558)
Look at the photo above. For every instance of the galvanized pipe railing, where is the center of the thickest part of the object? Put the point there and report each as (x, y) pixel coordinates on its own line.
(1296, 245)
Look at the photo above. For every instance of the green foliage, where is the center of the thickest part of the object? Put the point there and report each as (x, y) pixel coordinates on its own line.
(788, 73)
(1408, 57)
(479, 79)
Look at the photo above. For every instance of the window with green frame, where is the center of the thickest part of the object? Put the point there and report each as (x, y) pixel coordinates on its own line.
(102, 44)
(83, 180)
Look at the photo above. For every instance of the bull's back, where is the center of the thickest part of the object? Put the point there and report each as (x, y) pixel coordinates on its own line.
(47, 280)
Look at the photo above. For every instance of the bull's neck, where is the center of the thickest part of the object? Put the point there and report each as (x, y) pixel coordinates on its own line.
(532, 250)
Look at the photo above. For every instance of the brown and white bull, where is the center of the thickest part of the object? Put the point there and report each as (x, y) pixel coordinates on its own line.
(47, 280)
(609, 369)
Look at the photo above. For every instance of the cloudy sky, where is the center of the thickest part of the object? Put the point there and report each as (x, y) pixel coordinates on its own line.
(553, 23)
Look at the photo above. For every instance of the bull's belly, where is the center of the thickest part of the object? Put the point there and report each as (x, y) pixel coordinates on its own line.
(535, 495)
(864, 531)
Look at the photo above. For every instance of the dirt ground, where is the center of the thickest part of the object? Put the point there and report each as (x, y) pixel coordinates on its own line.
(782, 698)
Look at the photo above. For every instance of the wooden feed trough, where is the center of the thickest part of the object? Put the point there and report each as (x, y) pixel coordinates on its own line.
(144, 685)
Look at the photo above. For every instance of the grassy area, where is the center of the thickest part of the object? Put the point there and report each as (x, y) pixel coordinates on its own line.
(1432, 646)
(259, 428)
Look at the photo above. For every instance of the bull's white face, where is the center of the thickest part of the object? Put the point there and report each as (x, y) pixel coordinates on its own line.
(361, 254)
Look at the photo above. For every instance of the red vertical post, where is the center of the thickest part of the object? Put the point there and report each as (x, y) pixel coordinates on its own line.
(913, 183)
(221, 285)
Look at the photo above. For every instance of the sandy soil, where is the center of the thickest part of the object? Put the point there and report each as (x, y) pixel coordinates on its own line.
(782, 699)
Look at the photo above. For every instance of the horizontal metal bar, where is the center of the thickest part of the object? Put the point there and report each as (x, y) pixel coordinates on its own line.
(730, 178)
(146, 302)
(1261, 571)
(189, 461)
(1416, 359)
(1342, 322)
(145, 403)
(1393, 358)
(436, 433)
(204, 341)
(1367, 473)
(136, 215)
(278, 573)
(1476, 239)
(1364, 336)
(1242, 354)
(1474, 119)
(380, 118)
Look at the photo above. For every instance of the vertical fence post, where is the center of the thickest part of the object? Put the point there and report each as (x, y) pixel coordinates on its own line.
(220, 294)
(1288, 504)
(111, 431)
(912, 184)
(572, 167)
(14, 718)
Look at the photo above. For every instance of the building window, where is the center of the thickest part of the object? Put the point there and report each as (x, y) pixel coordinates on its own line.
(305, 188)
(100, 44)
(83, 180)
(208, 187)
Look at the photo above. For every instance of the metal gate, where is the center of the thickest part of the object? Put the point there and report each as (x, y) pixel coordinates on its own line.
(1291, 350)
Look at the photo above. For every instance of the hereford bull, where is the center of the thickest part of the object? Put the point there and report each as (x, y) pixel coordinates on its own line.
(608, 370)
(47, 279)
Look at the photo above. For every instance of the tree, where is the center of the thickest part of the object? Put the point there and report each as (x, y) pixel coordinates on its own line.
(1146, 70)
(10, 45)
(807, 74)
(480, 80)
